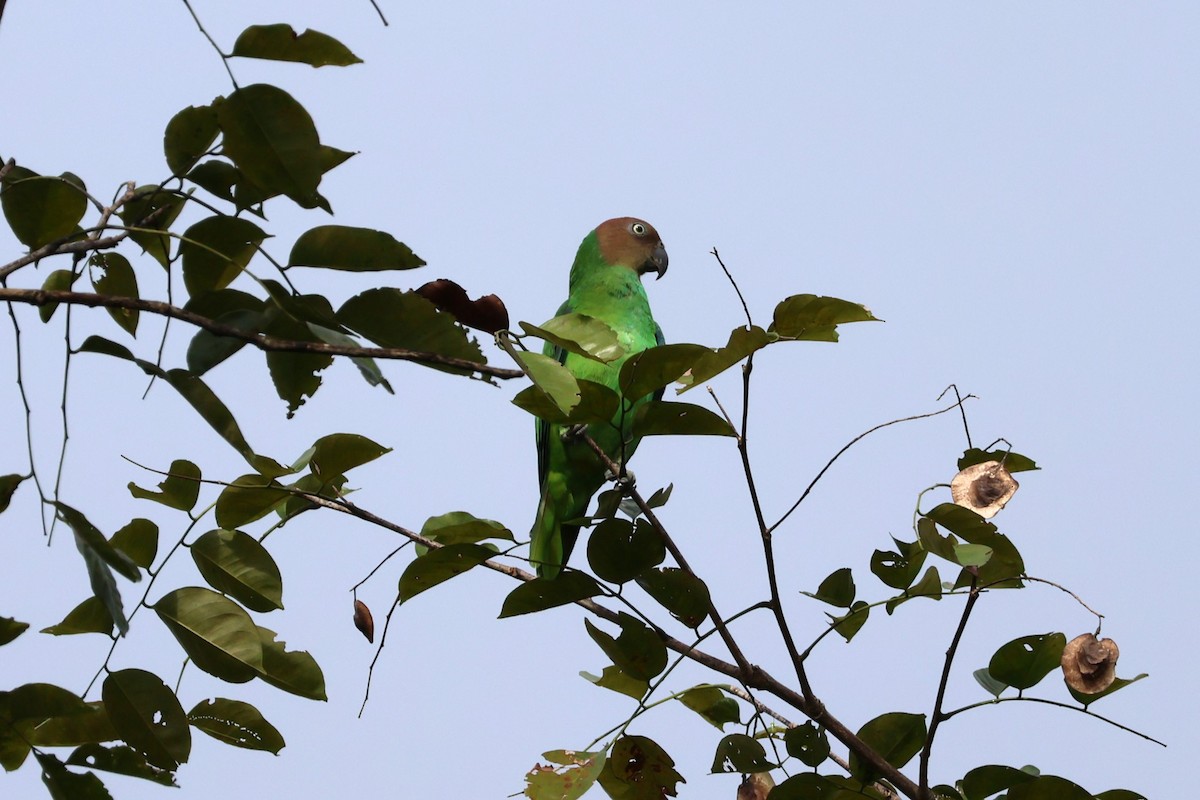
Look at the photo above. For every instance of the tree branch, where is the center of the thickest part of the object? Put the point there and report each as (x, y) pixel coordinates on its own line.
(41, 297)
(936, 718)
(59, 248)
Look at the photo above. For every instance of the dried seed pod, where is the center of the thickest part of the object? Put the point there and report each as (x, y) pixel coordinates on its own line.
(1089, 664)
(364, 621)
(983, 488)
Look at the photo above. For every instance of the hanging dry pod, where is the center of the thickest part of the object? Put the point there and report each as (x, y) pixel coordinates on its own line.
(983, 488)
(1089, 664)
(364, 621)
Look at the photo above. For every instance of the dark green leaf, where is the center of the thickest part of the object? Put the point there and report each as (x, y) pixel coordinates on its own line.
(972, 555)
(1120, 794)
(90, 616)
(990, 685)
(679, 592)
(579, 334)
(138, 540)
(229, 307)
(849, 624)
(805, 786)
(10, 629)
(122, 761)
(737, 752)
(352, 249)
(294, 374)
(215, 250)
(42, 208)
(272, 140)
(87, 534)
(1049, 787)
(652, 369)
(117, 279)
(988, 780)
(236, 723)
(660, 417)
(281, 43)
(613, 678)
(929, 586)
(179, 489)
(808, 317)
(8, 485)
(459, 526)
(73, 729)
(576, 772)
(392, 318)
(660, 497)
(808, 743)
(367, 367)
(637, 650)
(742, 342)
(293, 671)
(1117, 684)
(63, 784)
(1023, 662)
(60, 280)
(248, 498)
(717, 708)
(152, 210)
(638, 769)
(898, 569)
(148, 716)
(896, 736)
(1013, 462)
(216, 633)
(217, 177)
(188, 137)
(553, 379)
(338, 453)
(619, 551)
(542, 593)
(837, 589)
(237, 565)
(440, 565)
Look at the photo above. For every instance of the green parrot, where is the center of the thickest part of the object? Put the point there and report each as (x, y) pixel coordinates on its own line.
(606, 283)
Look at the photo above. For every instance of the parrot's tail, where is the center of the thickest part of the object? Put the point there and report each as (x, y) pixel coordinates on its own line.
(550, 542)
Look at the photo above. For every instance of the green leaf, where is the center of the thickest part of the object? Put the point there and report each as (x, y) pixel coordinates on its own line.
(613, 678)
(638, 769)
(293, 671)
(712, 704)
(235, 564)
(1049, 787)
(138, 540)
(294, 374)
(808, 743)
(459, 526)
(990, 685)
(619, 551)
(338, 453)
(236, 723)
(152, 209)
(367, 367)
(41, 208)
(660, 497)
(805, 786)
(179, 489)
(120, 760)
(1013, 462)
(70, 729)
(850, 623)
(652, 369)
(116, 278)
(63, 784)
(929, 586)
(552, 378)
(8, 486)
(215, 250)
(189, 136)
(660, 417)
(60, 280)
(229, 307)
(837, 589)
(896, 736)
(148, 717)
(540, 594)
(679, 592)
(579, 334)
(352, 249)
(972, 555)
(216, 633)
(392, 318)
(898, 569)
(742, 342)
(10, 629)
(576, 773)
(637, 650)
(807, 317)
(1117, 684)
(1024, 661)
(90, 616)
(988, 780)
(249, 498)
(440, 565)
(87, 535)
(217, 177)
(272, 140)
(597, 404)
(737, 752)
(280, 43)
(201, 398)
(1120, 794)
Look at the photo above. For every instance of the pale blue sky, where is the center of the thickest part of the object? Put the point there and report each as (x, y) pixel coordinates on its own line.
(1013, 188)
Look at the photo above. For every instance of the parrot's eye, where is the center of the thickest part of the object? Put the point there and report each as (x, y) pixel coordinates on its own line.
(638, 229)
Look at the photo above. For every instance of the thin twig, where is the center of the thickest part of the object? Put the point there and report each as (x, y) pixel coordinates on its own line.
(732, 282)
(966, 428)
(41, 297)
(1078, 599)
(724, 413)
(936, 718)
(224, 58)
(1067, 706)
(59, 248)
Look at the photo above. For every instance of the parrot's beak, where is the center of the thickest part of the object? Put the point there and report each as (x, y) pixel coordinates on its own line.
(657, 263)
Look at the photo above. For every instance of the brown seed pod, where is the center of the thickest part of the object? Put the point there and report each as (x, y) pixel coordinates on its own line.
(1089, 664)
(364, 621)
(983, 488)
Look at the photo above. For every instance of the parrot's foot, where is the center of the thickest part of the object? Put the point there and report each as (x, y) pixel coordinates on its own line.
(624, 482)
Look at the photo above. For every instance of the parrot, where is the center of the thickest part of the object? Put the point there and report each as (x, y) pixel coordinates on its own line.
(605, 284)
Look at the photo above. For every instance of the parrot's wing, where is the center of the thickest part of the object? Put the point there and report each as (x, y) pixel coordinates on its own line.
(660, 340)
(542, 429)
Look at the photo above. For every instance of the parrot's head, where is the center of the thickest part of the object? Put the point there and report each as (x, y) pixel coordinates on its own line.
(632, 243)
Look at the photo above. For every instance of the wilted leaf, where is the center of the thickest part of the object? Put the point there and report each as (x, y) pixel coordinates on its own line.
(364, 621)
(574, 774)
(1089, 664)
